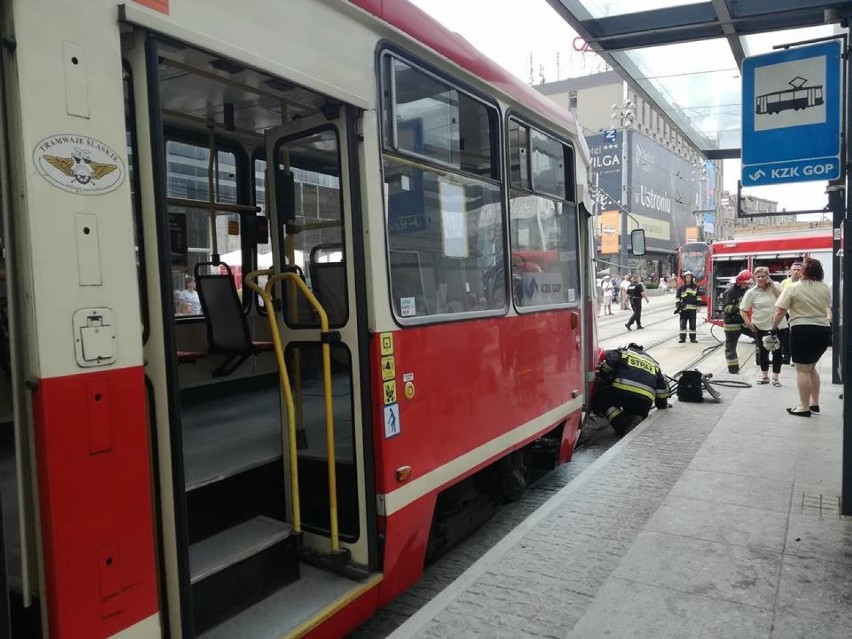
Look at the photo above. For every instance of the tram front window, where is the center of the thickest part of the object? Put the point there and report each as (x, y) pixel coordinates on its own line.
(694, 261)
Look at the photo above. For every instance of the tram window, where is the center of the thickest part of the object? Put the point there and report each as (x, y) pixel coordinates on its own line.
(191, 227)
(431, 119)
(445, 237)
(315, 241)
(544, 241)
(548, 164)
(544, 234)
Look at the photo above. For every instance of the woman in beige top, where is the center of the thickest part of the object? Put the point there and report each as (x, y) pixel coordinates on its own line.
(807, 302)
(757, 309)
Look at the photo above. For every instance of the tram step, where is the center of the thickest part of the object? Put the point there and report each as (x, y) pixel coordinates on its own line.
(238, 567)
(223, 504)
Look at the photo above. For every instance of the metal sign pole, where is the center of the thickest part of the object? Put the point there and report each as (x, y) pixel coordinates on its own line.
(846, 346)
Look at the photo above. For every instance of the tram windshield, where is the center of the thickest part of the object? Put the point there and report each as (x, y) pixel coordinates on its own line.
(695, 260)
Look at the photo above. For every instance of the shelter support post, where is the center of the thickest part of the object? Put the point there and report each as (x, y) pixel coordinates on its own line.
(846, 275)
(836, 202)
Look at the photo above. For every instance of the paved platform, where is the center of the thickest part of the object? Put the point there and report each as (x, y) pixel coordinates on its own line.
(708, 520)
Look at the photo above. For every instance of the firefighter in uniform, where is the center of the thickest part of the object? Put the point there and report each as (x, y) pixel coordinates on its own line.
(629, 383)
(688, 299)
(733, 321)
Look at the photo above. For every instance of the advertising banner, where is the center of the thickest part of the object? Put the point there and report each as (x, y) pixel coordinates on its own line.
(606, 169)
(666, 190)
(610, 228)
(691, 233)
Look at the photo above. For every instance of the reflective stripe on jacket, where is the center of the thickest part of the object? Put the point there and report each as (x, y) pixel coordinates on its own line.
(634, 371)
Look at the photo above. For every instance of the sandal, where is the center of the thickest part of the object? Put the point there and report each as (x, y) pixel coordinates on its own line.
(777, 383)
(763, 380)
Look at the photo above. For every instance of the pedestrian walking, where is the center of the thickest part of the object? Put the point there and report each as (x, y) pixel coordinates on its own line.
(807, 303)
(629, 382)
(606, 290)
(636, 293)
(733, 322)
(757, 309)
(625, 298)
(687, 301)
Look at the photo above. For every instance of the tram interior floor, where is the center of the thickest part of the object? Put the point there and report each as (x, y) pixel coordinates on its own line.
(240, 428)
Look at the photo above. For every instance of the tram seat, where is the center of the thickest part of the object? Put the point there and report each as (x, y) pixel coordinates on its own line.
(227, 327)
(189, 357)
(328, 281)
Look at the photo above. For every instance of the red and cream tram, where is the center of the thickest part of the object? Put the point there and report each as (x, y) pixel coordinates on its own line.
(716, 265)
(287, 288)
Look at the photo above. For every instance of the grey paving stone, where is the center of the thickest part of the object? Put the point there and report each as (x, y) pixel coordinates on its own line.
(789, 626)
(769, 494)
(628, 610)
(748, 462)
(817, 589)
(828, 476)
(821, 449)
(828, 538)
(739, 574)
(722, 523)
(722, 442)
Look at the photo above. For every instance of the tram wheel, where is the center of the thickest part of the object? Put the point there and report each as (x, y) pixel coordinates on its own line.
(512, 471)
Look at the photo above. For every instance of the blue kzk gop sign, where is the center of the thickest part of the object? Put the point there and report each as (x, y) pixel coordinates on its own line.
(791, 115)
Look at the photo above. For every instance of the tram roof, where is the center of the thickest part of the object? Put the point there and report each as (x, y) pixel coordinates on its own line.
(685, 56)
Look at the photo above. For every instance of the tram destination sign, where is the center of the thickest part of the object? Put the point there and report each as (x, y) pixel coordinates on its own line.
(791, 115)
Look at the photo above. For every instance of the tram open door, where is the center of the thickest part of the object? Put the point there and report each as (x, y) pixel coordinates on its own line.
(310, 170)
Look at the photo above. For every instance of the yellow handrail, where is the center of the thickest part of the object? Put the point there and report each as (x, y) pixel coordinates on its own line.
(266, 296)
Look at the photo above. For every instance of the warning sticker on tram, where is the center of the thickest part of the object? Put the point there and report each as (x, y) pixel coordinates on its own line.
(392, 422)
(386, 343)
(390, 392)
(388, 368)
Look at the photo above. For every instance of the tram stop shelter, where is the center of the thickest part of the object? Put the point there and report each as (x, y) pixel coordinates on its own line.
(685, 57)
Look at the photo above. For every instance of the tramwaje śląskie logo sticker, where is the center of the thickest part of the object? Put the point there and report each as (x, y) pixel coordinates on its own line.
(79, 164)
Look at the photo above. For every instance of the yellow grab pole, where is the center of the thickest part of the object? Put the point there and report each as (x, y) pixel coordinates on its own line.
(251, 282)
(326, 373)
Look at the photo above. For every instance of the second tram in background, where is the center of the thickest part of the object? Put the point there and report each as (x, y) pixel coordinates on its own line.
(716, 264)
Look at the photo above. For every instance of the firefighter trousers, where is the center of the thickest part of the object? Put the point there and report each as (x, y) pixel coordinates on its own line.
(621, 407)
(688, 318)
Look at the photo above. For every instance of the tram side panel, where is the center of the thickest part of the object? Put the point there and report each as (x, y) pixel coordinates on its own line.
(466, 393)
(83, 347)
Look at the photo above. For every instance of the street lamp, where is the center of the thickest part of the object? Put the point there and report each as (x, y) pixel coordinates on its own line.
(699, 174)
(625, 115)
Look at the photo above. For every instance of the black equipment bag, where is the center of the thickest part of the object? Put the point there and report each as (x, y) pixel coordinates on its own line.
(691, 386)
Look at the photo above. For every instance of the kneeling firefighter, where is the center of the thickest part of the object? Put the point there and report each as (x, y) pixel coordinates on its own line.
(629, 382)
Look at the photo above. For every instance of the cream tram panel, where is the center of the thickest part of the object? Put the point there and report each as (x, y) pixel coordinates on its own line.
(68, 104)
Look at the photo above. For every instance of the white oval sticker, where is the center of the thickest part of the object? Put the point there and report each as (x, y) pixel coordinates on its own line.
(79, 164)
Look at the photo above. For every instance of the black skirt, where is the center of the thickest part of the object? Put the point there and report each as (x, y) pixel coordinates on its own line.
(808, 342)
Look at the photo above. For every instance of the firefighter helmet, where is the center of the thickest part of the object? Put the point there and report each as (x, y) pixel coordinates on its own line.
(744, 276)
